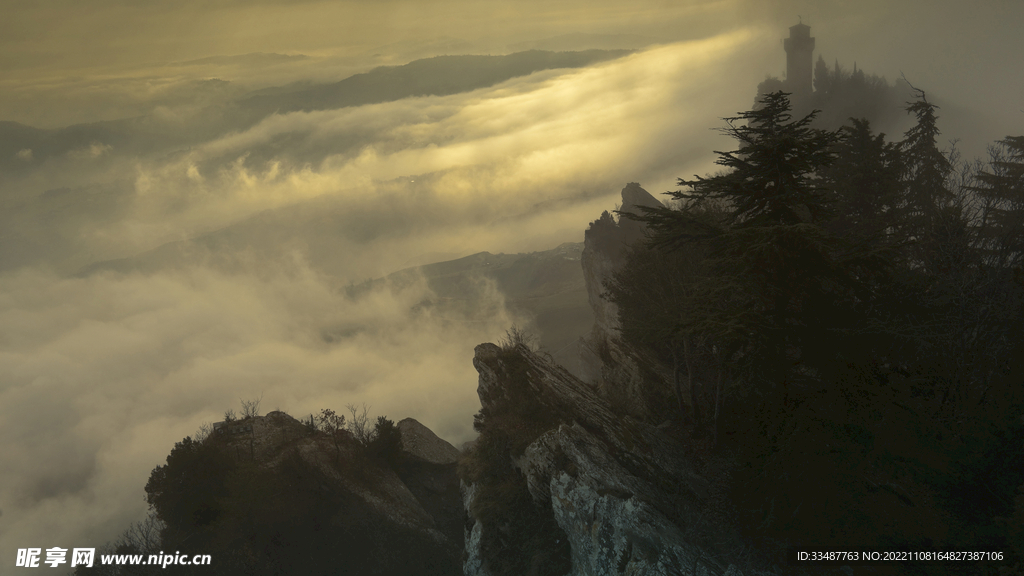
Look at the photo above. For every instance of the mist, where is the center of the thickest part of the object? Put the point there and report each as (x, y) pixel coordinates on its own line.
(167, 254)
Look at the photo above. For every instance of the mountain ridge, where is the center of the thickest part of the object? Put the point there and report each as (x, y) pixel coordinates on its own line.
(438, 76)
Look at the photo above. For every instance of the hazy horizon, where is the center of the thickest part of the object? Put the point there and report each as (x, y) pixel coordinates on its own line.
(250, 224)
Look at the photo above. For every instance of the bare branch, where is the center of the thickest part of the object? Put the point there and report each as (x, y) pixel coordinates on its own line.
(251, 408)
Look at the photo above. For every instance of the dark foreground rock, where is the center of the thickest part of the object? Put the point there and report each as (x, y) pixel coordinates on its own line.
(619, 490)
(272, 495)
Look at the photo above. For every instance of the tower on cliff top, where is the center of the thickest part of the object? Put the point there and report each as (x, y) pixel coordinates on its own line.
(799, 47)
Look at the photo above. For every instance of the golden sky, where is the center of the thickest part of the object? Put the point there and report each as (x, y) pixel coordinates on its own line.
(64, 61)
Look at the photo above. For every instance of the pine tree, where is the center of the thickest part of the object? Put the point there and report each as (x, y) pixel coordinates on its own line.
(865, 181)
(927, 202)
(822, 78)
(825, 342)
(1002, 192)
(770, 261)
(772, 175)
(658, 292)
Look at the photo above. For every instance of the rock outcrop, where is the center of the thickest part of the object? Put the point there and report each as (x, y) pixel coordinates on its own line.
(584, 454)
(428, 469)
(620, 490)
(605, 247)
(411, 500)
(603, 359)
(420, 442)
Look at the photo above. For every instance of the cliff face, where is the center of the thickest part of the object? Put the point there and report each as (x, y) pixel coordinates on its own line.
(606, 491)
(605, 246)
(604, 361)
(619, 489)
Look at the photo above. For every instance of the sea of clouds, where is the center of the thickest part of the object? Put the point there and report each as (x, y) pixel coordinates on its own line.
(239, 249)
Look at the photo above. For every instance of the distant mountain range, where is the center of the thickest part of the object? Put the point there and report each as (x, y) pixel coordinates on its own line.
(438, 76)
(546, 288)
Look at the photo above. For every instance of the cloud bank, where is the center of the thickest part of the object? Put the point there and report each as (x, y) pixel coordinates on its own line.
(240, 248)
(102, 374)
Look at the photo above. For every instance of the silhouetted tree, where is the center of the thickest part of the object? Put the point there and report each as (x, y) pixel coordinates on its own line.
(864, 181)
(657, 290)
(387, 441)
(141, 538)
(772, 177)
(251, 408)
(803, 311)
(359, 423)
(186, 494)
(822, 78)
(840, 95)
(767, 257)
(1001, 189)
(927, 203)
(333, 424)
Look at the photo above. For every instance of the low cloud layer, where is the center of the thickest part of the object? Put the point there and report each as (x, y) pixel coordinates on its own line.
(483, 170)
(103, 374)
(104, 370)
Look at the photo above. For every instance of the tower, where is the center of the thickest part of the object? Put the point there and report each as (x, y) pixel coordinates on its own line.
(799, 47)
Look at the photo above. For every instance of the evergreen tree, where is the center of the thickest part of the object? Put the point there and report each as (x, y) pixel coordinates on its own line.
(387, 441)
(927, 203)
(841, 95)
(771, 177)
(1001, 189)
(865, 182)
(873, 357)
(187, 493)
(822, 78)
(660, 290)
(787, 311)
(783, 285)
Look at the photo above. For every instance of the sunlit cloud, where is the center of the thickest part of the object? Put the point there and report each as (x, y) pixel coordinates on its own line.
(244, 232)
(496, 152)
(101, 374)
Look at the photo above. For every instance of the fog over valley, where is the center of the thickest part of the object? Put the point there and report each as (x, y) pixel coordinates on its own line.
(208, 202)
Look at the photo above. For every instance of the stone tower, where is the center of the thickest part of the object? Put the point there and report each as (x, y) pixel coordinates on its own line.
(799, 47)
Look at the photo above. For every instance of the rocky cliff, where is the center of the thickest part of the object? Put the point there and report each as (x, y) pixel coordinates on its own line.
(426, 466)
(575, 475)
(272, 495)
(621, 492)
(605, 247)
(604, 361)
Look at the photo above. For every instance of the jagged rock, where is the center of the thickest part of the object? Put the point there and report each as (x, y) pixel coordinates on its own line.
(417, 496)
(472, 563)
(599, 473)
(267, 439)
(604, 360)
(428, 469)
(605, 246)
(618, 487)
(633, 198)
(421, 442)
(261, 437)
